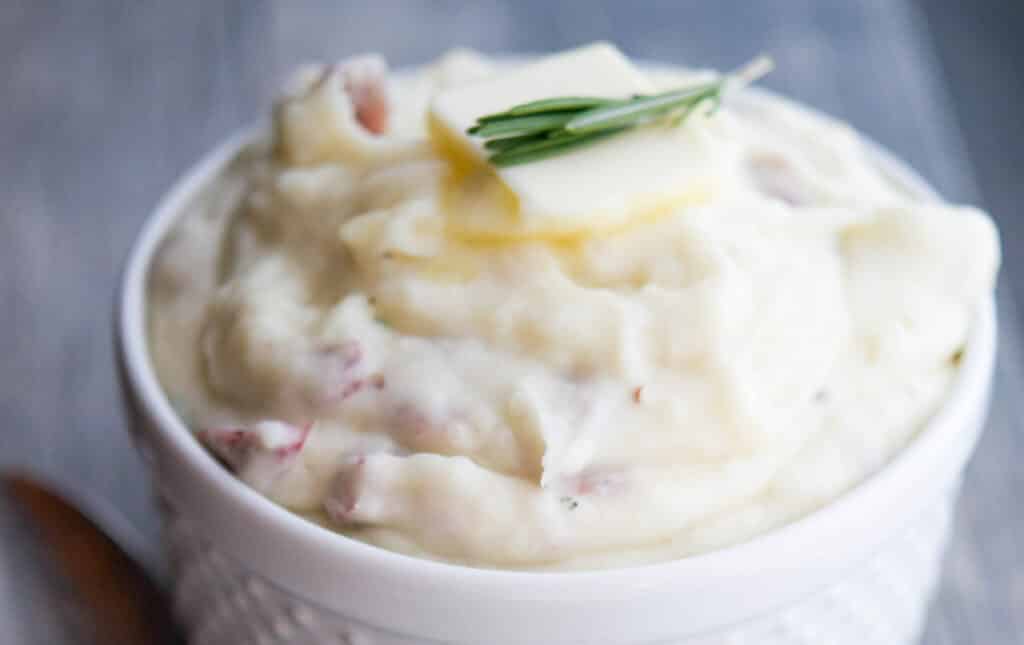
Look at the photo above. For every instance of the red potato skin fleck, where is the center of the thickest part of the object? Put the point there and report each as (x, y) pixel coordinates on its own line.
(232, 445)
(348, 353)
(343, 495)
(366, 88)
(372, 113)
(286, 452)
(339, 363)
(348, 390)
(235, 437)
(237, 446)
(599, 482)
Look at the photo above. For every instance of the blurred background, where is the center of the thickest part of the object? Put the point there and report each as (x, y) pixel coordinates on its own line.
(105, 103)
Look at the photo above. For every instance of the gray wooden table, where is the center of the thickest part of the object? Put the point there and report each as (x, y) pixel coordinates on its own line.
(104, 103)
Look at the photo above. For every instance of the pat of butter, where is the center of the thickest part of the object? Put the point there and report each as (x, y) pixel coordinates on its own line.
(637, 175)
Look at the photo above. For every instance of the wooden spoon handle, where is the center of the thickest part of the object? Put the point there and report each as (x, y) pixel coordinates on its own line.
(124, 605)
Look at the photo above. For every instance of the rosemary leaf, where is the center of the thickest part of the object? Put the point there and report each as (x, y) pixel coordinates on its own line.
(522, 125)
(498, 145)
(642, 108)
(559, 105)
(548, 127)
(543, 149)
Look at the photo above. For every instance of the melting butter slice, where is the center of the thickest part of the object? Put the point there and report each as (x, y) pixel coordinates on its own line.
(627, 179)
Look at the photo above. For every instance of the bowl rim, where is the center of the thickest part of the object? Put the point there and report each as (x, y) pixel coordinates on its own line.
(145, 389)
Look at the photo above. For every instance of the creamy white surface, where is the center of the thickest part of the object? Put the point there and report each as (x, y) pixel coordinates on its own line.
(666, 389)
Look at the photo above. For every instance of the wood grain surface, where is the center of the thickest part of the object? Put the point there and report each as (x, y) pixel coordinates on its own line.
(105, 103)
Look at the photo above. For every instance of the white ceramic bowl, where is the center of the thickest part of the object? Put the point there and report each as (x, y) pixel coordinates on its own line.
(858, 572)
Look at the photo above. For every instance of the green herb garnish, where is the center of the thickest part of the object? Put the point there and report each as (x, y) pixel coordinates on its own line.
(570, 503)
(550, 127)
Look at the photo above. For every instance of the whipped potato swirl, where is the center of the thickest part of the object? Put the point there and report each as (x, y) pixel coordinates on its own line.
(614, 396)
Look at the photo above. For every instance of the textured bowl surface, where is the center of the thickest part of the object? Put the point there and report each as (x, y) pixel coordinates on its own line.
(883, 601)
(857, 572)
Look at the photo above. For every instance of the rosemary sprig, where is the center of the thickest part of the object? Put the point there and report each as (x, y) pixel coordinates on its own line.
(550, 127)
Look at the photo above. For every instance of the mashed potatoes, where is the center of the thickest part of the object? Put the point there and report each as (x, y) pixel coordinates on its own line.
(612, 397)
